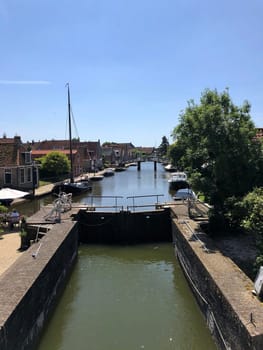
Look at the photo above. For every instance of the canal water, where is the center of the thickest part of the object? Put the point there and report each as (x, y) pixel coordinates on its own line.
(126, 297)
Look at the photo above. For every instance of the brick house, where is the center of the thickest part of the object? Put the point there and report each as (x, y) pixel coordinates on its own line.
(86, 156)
(146, 153)
(91, 155)
(117, 153)
(16, 167)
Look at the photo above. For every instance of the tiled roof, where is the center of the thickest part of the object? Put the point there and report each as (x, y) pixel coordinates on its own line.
(51, 144)
(43, 152)
(90, 145)
(119, 145)
(146, 150)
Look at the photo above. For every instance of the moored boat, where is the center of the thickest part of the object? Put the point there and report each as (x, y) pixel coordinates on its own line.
(120, 168)
(169, 168)
(184, 193)
(72, 187)
(108, 172)
(178, 180)
(96, 177)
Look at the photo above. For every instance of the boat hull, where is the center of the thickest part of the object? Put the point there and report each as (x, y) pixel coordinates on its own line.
(75, 188)
(177, 185)
(119, 169)
(169, 168)
(108, 172)
(96, 178)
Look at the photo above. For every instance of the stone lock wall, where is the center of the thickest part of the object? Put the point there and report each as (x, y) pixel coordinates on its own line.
(31, 287)
(223, 292)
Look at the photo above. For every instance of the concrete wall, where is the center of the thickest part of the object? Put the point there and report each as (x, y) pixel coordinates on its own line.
(30, 288)
(124, 227)
(223, 292)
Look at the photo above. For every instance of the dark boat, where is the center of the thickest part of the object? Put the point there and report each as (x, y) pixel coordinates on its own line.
(71, 186)
(120, 168)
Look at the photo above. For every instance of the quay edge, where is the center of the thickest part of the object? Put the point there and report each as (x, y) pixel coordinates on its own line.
(31, 287)
(223, 292)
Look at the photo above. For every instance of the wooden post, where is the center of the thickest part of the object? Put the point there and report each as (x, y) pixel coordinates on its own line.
(139, 165)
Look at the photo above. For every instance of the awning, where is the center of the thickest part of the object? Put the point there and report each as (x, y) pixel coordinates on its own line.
(9, 193)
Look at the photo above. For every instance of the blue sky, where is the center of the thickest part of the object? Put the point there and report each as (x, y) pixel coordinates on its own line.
(132, 65)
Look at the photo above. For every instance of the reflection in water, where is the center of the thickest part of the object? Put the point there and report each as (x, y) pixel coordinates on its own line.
(128, 298)
(132, 183)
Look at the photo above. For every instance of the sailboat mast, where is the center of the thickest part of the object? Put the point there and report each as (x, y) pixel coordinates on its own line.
(70, 138)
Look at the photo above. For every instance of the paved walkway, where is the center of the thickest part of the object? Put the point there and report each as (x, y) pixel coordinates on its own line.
(43, 190)
(9, 249)
(10, 240)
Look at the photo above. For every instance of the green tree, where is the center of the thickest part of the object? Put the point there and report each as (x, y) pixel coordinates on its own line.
(220, 152)
(55, 164)
(163, 148)
(175, 153)
(253, 218)
(252, 221)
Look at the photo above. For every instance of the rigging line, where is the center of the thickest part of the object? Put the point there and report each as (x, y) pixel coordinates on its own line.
(66, 129)
(74, 123)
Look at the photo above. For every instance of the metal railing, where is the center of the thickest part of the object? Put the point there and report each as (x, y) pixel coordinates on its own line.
(91, 206)
(133, 206)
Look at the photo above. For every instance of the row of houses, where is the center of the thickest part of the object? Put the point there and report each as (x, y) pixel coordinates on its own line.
(18, 160)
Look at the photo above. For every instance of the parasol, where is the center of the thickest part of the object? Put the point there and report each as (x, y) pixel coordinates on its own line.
(9, 193)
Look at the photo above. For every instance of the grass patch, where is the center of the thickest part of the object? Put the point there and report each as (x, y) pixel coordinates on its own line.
(43, 183)
(201, 197)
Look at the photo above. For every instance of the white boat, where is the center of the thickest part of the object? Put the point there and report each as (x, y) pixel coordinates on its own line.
(184, 193)
(169, 167)
(178, 180)
(108, 172)
(96, 177)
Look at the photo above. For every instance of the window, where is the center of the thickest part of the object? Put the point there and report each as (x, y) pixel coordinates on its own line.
(28, 159)
(22, 175)
(8, 176)
(29, 174)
